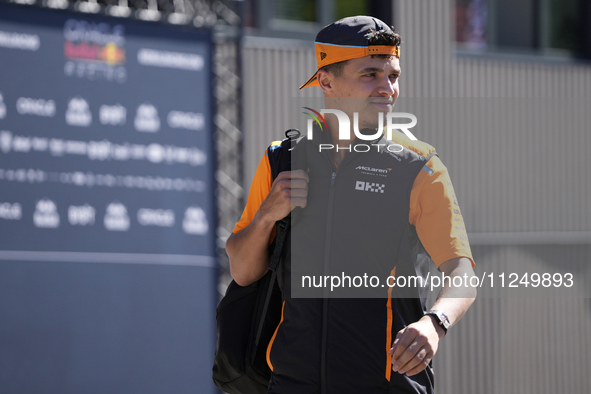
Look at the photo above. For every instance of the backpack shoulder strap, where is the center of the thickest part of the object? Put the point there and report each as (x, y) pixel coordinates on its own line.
(279, 152)
(279, 157)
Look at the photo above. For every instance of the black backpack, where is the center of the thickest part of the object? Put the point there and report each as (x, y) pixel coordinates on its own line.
(248, 316)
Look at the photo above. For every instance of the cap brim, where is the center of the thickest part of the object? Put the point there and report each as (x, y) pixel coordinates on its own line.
(313, 81)
(332, 53)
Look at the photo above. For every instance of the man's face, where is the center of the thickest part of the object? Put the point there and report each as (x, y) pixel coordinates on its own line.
(368, 86)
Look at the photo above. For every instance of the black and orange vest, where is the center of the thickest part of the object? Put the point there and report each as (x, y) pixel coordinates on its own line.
(355, 222)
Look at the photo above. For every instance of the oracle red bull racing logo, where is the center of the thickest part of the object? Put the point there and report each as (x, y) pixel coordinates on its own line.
(94, 51)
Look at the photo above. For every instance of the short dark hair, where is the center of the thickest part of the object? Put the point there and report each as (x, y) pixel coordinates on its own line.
(381, 37)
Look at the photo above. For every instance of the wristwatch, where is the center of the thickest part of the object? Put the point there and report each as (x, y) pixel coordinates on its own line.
(441, 318)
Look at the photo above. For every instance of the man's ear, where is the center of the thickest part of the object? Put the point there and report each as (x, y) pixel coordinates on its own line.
(325, 80)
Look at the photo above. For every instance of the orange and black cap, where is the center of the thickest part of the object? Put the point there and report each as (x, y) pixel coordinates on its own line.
(346, 39)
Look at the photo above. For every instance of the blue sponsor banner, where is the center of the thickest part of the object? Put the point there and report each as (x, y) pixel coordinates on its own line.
(107, 212)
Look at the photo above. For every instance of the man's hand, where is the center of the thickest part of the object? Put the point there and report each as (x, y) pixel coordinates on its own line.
(248, 249)
(415, 346)
(289, 190)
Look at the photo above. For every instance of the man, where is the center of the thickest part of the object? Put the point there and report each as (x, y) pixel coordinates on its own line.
(357, 345)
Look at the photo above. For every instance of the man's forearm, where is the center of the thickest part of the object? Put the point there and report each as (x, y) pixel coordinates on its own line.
(455, 301)
(248, 251)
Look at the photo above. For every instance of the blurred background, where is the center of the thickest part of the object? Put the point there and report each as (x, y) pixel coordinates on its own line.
(130, 132)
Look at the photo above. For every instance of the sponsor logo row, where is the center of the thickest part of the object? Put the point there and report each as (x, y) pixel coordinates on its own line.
(102, 150)
(89, 179)
(116, 216)
(96, 50)
(78, 113)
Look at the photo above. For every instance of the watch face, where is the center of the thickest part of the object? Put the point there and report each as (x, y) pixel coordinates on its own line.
(445, 320)
(442, 317)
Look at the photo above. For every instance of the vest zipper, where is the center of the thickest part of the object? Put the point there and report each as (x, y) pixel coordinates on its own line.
(325, 301)
(325, 292)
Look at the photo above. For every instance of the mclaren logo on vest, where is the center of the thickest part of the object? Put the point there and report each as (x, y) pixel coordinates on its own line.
(370, 186)
(383, 172)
